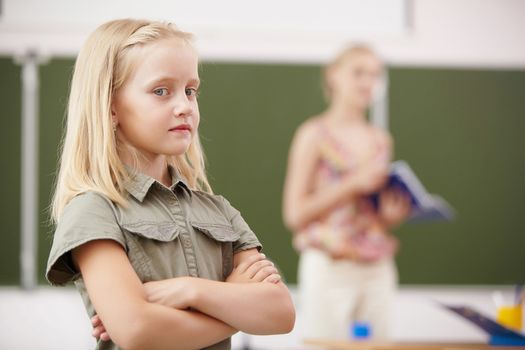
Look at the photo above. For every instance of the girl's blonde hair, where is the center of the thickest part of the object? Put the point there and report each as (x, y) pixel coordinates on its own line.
(90, 149)
(346, 54)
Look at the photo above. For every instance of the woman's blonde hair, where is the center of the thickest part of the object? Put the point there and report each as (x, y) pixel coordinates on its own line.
(346, 54)
(90, 149)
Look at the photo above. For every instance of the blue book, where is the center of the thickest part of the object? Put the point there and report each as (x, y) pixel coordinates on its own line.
(499, 334)
(425, 206)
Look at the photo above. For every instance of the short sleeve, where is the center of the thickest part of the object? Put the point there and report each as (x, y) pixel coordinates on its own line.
(87, 217)
(248, 239)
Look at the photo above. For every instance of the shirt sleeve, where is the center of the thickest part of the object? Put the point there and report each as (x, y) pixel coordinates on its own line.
(87, 217)
(248, 239)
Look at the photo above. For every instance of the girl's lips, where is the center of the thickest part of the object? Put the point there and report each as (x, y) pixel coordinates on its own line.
(182, 127)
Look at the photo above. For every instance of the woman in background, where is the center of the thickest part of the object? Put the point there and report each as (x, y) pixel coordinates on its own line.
(337, 159)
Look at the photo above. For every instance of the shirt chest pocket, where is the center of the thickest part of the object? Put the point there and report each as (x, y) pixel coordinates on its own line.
(219, 238)
(153, 250)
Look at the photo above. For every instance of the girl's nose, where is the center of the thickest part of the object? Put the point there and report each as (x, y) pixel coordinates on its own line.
(182, 106)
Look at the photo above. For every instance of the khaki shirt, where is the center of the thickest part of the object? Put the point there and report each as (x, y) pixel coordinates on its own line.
(166, 232)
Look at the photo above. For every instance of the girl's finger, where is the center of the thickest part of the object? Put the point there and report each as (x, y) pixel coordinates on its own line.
(252, 259)
(256, 267)
(95, 320)
(264, 272)
(275, 278)
(104, 336)
(97, 331)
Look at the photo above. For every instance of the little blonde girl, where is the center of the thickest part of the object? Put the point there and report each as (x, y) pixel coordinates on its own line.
(160, 262)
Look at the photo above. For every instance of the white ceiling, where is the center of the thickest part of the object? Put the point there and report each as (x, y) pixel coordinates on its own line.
(474, 33)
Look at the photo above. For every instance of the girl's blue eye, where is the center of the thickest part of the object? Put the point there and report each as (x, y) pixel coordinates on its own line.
(192, 92)
(160, 92)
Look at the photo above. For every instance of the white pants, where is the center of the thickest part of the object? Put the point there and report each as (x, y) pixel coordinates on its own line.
(334, 293)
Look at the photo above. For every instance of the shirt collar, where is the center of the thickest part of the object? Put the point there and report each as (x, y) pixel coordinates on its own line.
(139, 184)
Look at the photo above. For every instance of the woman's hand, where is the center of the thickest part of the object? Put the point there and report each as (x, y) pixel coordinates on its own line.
(363, 253)
(363, 249)
(394, 207)
(256, 268)
(344, 251)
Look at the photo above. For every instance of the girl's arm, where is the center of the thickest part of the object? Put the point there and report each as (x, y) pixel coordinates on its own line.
(302, 204)
(256, 308)
(134, 323)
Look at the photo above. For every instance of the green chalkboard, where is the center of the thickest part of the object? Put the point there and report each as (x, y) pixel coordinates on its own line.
(246, 133)
(462, 131)
(55, 77)
(459, 130)
(10, 150)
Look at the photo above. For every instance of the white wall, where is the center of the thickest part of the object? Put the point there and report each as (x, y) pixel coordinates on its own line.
(463, 33)
(54, 318)
(474, 33)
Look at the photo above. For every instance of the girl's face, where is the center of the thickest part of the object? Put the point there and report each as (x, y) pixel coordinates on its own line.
(355, 79)
(156, 108)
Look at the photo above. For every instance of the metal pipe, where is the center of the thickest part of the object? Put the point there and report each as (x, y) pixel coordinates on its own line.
(379, 109)
(29, 171)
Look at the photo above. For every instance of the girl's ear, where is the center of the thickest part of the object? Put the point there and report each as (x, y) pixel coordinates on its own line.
(114, 118)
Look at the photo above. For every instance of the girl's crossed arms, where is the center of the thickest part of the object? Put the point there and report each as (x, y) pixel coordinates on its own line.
(233, 303)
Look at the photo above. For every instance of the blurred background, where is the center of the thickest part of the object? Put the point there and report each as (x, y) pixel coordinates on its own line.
(455, 106)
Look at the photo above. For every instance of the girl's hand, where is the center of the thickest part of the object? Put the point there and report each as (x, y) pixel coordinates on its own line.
(255, 268)
(99, 331)
(173, 292)
(394, 207)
